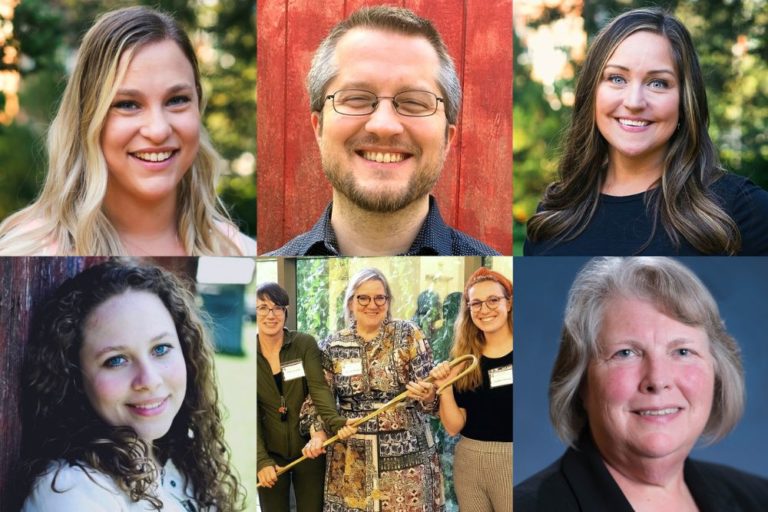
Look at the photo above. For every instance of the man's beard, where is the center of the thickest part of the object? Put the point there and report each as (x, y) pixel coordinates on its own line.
(386, 199)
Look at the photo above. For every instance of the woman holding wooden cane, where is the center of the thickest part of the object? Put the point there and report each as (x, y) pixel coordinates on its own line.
(392, 462)
(479, 406)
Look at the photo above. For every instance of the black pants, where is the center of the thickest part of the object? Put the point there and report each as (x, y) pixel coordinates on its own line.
(307, 478)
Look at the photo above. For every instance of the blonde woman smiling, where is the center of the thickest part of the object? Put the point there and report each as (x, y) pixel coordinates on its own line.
(131, 169)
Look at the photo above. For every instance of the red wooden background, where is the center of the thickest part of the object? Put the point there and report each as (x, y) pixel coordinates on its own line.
(475, 189)
(24, 284)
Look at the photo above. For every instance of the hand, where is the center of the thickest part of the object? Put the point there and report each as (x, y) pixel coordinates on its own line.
(443, 372)
(421, 390)
(267, 477)
(346, 431)
(314, 447)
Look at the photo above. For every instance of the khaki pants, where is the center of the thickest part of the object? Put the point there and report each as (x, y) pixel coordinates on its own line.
(482, 475)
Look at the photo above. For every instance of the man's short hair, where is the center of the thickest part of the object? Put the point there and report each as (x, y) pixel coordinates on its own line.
(392, 19)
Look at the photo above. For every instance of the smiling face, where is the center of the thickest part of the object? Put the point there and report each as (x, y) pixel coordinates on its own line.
(152, 132)
(132, 364)
(383, 161)
(272, 323)
(370, 317)
(638, 99)
(489, 320)
(649, 392)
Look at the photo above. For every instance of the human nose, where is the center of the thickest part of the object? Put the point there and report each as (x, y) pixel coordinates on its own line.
(147, 376)
(156, 127)
(634, 97)
(384, 121)
(657, 375)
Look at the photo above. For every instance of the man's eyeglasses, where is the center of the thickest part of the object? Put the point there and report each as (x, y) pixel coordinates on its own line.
(491, 302)
(263, 311)
(359, 102)
(364, 300)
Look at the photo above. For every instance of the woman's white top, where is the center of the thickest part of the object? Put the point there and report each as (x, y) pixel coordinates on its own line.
(88, 490)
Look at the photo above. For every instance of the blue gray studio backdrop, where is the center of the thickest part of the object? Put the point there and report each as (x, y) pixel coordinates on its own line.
(740, 287)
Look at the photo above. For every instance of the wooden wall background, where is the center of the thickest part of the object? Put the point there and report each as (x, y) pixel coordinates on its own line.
(475, 189)
(24, 284)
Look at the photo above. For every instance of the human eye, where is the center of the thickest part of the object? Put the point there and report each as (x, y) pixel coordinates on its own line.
(475, 305)
(623, 353)
(115, 361)
(616, 79)
(658, 83)
(355, 98)
(684, 352)
(161, 349)
(180, 99)
(493, 300)
(414, 102)
(125, 105)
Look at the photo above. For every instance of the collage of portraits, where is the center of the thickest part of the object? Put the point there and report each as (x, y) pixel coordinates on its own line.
(272, 255)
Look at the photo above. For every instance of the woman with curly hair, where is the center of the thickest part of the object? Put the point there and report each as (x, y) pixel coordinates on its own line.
(131, 169)
(479, 406)
(639, 174)
(120, 406)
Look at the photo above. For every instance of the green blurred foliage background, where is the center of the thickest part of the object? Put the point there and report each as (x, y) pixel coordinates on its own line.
(731, 38)
(47, 33)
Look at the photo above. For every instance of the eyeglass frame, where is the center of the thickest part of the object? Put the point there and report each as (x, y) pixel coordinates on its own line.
(479, 303)
(273, 310)
(367, 302)
(376, 102)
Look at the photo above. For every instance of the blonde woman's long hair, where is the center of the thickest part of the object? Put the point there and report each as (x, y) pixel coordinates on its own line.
(68, 213)
(468, 338)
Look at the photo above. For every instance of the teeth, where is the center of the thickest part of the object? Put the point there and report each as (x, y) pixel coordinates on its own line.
(385, 158)
(660, 412)
(154, 157)
(153, 405)
(633, 122)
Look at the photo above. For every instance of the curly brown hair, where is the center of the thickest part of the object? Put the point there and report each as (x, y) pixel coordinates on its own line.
(61, 424)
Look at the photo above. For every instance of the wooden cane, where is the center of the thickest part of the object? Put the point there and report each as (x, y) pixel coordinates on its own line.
(399, 398)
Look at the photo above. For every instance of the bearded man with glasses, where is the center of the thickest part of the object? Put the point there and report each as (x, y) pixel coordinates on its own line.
(385, 99)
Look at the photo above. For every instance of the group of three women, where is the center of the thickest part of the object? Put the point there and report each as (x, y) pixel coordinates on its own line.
(390, 461)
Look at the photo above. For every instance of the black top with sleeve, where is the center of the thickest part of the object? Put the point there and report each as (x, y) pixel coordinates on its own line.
(489, 410)
(580, 482)
(621, 225)
(435, 238)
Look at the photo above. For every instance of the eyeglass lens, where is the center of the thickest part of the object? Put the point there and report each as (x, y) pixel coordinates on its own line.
(355, 102)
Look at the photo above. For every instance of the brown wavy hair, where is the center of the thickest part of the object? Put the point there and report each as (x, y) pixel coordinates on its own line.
(468, 338)
(60, 423)
(681, 203)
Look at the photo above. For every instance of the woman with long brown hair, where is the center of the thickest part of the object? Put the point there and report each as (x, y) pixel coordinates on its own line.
(120, 410)
(479, 406)
(639, 174)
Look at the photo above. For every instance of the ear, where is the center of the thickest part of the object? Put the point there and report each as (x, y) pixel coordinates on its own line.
(450, 137)
(316, 118)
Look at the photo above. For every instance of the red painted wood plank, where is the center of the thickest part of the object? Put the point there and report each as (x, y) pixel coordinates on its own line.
(485, 209)
(270, 120)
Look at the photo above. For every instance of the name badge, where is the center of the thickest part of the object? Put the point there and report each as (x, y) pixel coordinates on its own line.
(501, 376)
(293, 370)
(351, 367)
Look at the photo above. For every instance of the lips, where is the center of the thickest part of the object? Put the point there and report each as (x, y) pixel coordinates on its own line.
(634, 123)
(666, 411)
(149, 407)
(153, 156)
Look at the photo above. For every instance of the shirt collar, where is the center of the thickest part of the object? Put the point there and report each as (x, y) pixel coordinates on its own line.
(433, 238)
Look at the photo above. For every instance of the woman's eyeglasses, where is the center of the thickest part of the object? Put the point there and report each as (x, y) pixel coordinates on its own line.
(491, 303)
(263, 311)
(364, 300)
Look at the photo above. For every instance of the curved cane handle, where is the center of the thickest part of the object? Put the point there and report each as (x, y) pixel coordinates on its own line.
(399, 398)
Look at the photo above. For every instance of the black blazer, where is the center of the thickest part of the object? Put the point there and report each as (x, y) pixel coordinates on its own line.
(579, 481)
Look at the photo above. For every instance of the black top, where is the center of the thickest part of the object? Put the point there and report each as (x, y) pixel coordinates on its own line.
(489, 410)
(580, 481)
(621, 225)
(435, 238)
